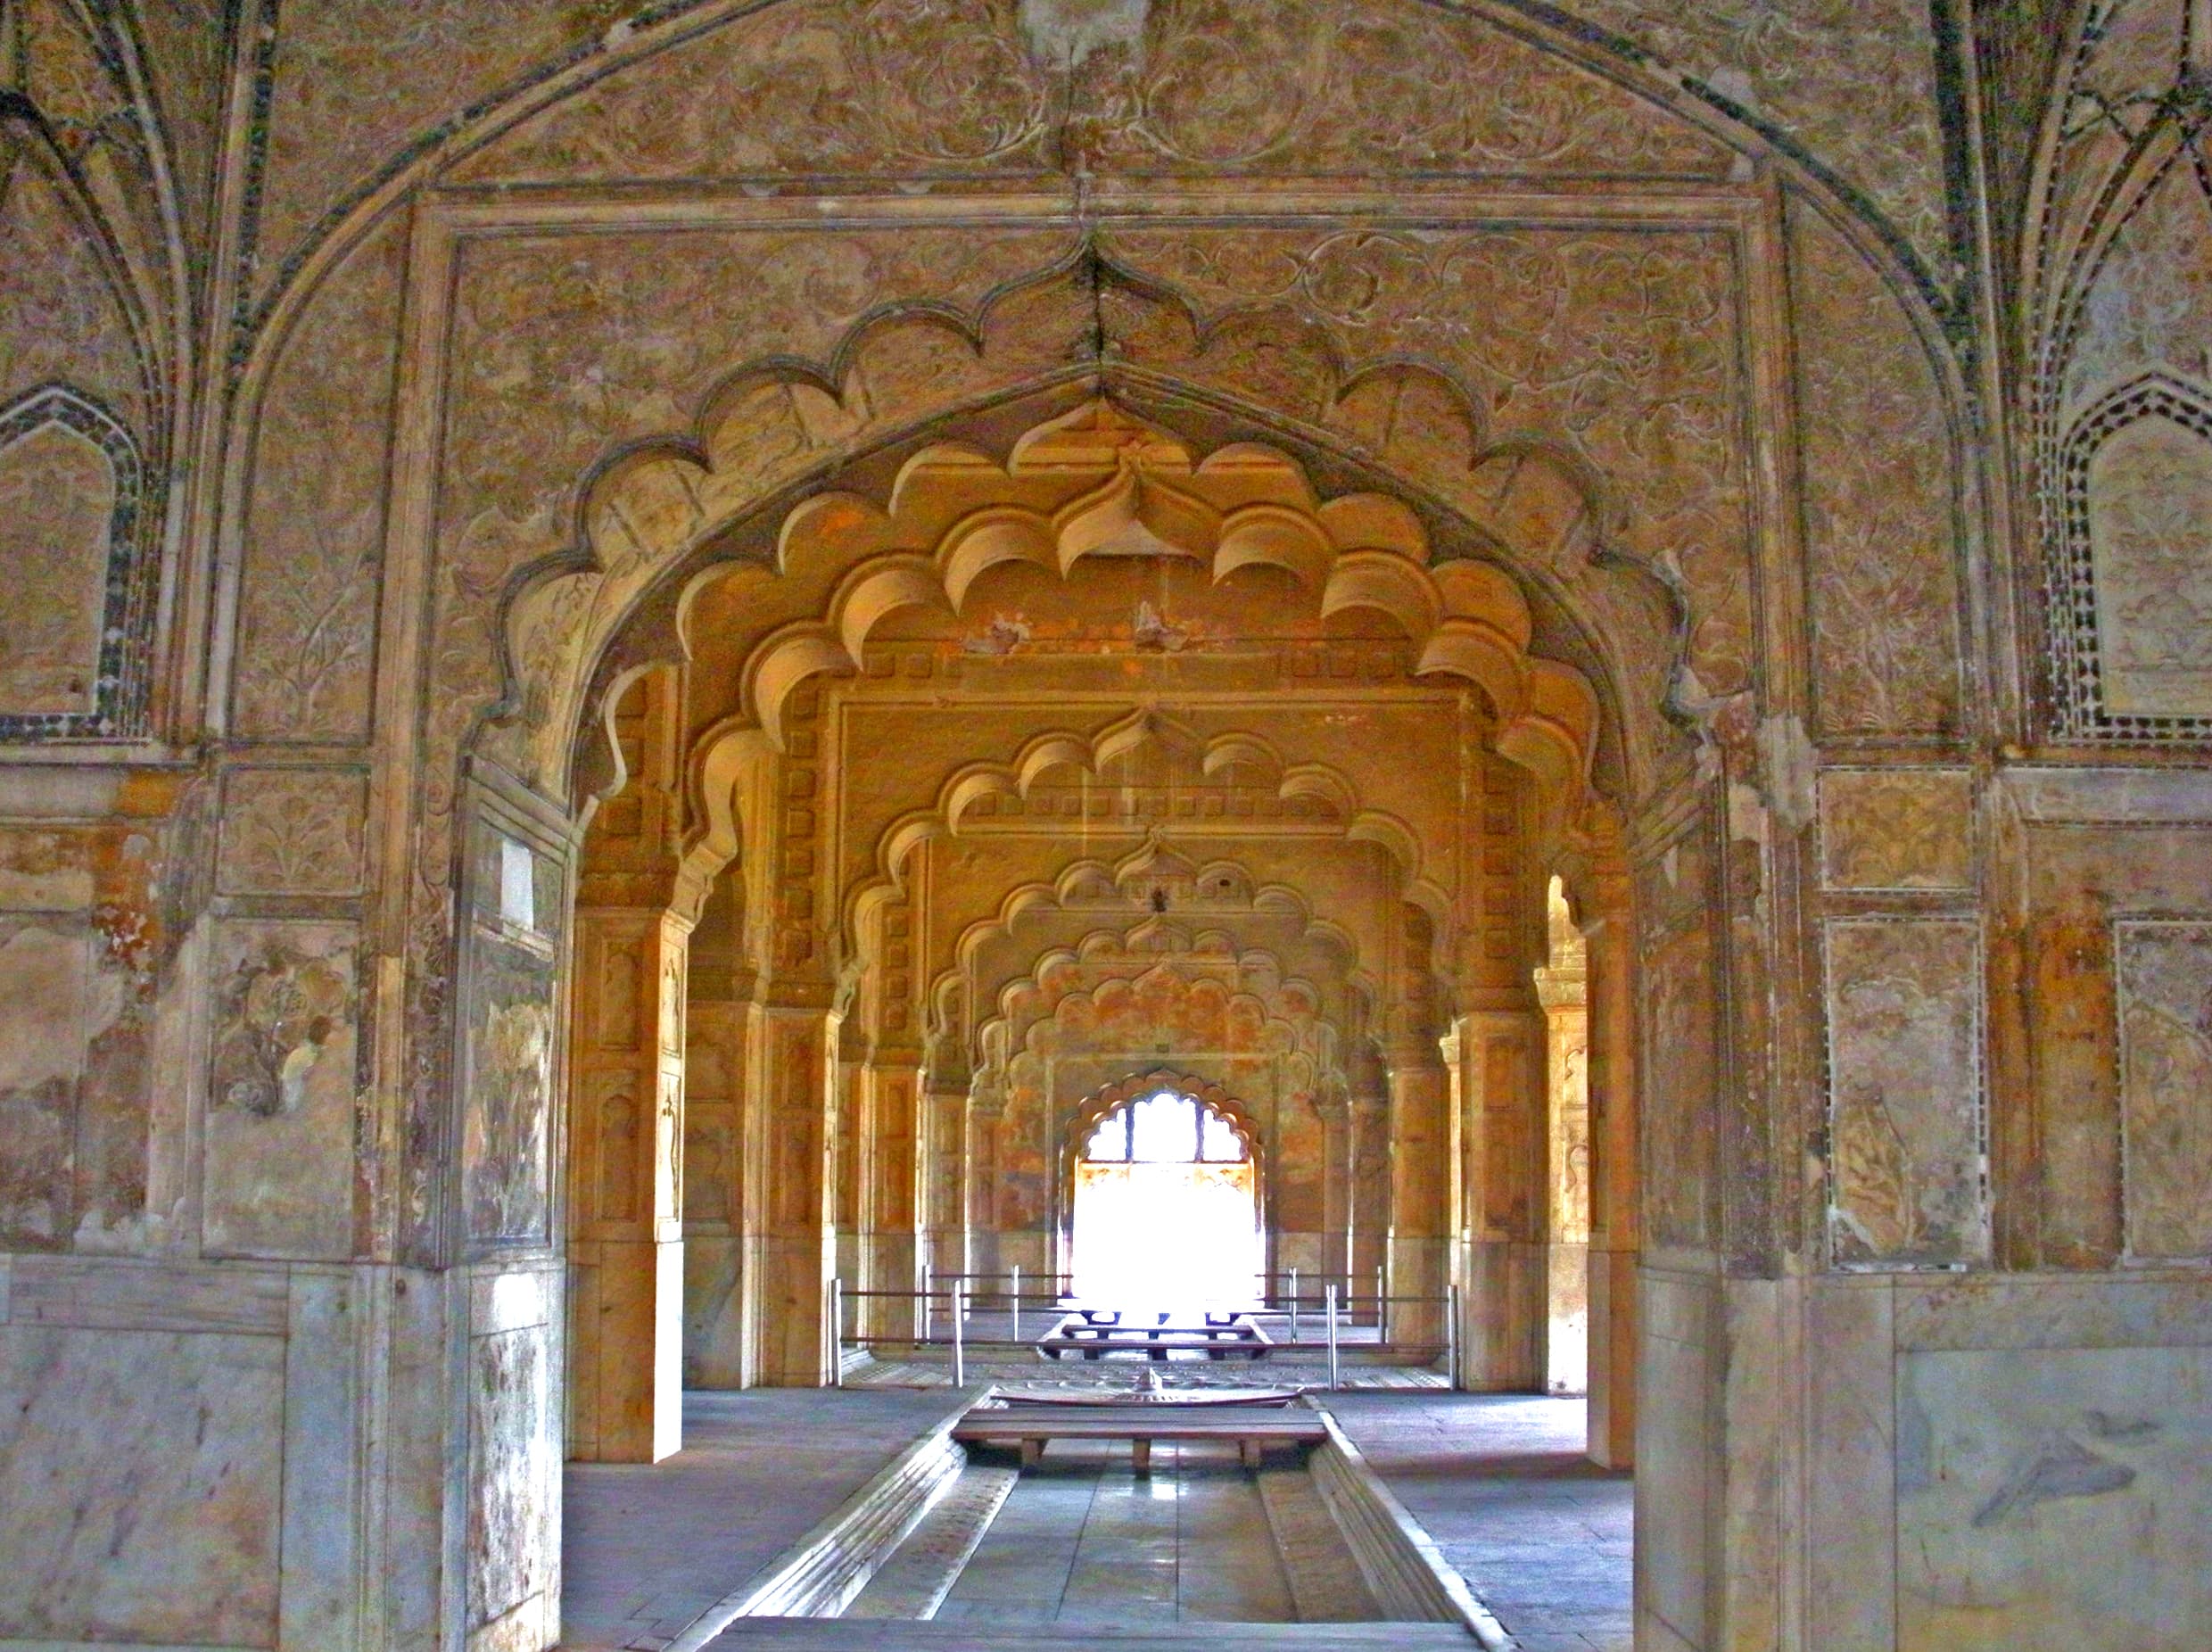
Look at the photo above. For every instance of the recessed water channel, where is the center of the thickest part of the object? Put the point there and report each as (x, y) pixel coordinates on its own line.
(1019, 1521)
(1083, 1538)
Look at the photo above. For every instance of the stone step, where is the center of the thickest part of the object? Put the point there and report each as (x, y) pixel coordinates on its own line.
(824, 1634)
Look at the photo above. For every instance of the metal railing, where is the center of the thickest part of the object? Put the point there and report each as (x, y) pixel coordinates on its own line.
(1334, 1309)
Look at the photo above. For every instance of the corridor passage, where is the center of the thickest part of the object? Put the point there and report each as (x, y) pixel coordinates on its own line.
(1498, 1481)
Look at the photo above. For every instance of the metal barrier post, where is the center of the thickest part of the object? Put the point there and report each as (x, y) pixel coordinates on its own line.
(928, 1315)
(1451, 1334)
(1017, 1301)
(1331, 1302)
(837, 1331)
(1381, 1309)
(960, 1354)
(1293, 1304)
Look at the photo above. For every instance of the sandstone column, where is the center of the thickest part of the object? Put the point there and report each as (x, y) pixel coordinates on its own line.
(790, 1232)
(891, 1237)
(1419, 1248)
(1501, 1093)
(626, 1226)
(1611, 1019)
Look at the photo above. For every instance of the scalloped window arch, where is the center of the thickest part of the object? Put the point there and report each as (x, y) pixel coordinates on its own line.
(1167, 1208)
(1167, 1126)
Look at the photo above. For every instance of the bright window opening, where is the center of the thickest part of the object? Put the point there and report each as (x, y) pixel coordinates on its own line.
(1167, 1210)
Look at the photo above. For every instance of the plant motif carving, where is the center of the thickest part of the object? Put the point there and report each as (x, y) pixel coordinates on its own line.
(1881, 528)
(315, 524)
(277, 1013)
(292, 832)
(2165, 1077)
(1905, 1101)
(838, 86)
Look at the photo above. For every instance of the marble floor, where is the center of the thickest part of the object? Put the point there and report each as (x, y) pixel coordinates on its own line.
(645, 1550)
(1498, 1480)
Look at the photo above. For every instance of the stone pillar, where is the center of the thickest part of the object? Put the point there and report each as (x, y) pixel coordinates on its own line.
(1500, 1094)
(1611, 1018)
(713, 1192)
(986, 1118)
(790, 1232)
(1371, 1158)
(946, 1131)
(892, 1239)
(1563, 1218)
(626, 1181)
(1418, 1254)
(1336, 1189)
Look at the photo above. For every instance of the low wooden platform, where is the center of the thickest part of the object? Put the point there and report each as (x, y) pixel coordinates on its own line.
(1094, 1335)
(1250, 1430)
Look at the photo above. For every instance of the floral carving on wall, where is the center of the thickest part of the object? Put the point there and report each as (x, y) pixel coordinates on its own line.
(278, 1012)
(2166, 1087)
(1906, 1092)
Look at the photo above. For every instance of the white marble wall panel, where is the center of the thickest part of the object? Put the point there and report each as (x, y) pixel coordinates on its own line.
(1851, 1501)
(2054, 1497)
(514, 1450)
(325, 1425)
(139, 1480)
(1675, 1460)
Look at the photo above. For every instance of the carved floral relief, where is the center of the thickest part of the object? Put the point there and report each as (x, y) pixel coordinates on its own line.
(292, 831)
(1906, 1092)
(314, 535)
(1897, 828)
(1882, 536)
(282, 1092)
(2166, 1087)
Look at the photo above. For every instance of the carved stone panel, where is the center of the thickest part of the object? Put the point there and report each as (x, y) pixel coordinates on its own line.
(1906, 1092)
(73, 652)
(510, 1050)
(2139, 497)
(314, 531)
(2166, 1087)
(282, 1092)
(292, 831)
(1897, 828)
(1881, 532)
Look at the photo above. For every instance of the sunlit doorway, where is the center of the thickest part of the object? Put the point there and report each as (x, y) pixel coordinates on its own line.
(1167, 1209)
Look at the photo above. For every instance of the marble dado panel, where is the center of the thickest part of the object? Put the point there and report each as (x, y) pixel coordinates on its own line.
(1905, 1107)
(1893, 829)
(2059, 1498)
(2165, 971)
(292, 831)
(139, 1486)
(515, 1468)
(284, 1090)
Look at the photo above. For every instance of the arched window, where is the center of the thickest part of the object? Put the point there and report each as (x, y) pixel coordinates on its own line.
(1167, 1127)
(1166, 1207)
